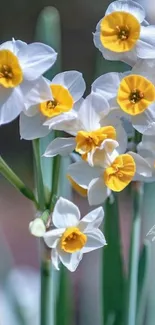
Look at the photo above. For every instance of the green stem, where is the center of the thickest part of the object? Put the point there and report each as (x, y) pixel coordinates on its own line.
(45, 270)
(131, 293)
(55, 183)
(39, 179)
(8, 173)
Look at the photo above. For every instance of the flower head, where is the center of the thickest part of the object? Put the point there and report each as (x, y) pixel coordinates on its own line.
(123, 34)
(107, 171)
(21, 68)
(91, 124)
(133, 92)
(56, 100)
(73, 237)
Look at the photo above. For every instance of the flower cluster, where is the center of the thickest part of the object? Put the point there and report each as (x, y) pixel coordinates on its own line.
(96, 125)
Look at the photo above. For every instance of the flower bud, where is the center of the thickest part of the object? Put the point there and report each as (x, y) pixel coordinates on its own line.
(37, 227)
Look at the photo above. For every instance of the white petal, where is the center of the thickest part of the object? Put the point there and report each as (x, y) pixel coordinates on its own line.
(107, 84)
(60, 146)
(11, 104)
(65, 214)
(92, 220)
(132, 7)
(104, 155)
(145, 122)
(31, 127)
(146, 148)
(142, 166)
(40, 93)
(82, 173)
(96, 39)
(73, 81)
(37, 227)
(91, 110)
(55, 259)
(62, 121)
(146, 44)
(97, 191)
(113, 119)
(36, 59)
(95, 240)
(71, 261)
(52, 237)
(121, 138)
(14, 46)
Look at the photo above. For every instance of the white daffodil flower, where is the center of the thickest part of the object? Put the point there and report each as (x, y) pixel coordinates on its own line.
(123, 34)
(146, 148)
(133, 92)
(73, 237)
(108, 171)
(21, 66)
(65, 90)
(90, 123)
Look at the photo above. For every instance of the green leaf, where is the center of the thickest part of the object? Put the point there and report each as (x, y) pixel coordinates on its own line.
(48, 31)
(143, 277)
(132, 281)
(113, 276)
(148, 223)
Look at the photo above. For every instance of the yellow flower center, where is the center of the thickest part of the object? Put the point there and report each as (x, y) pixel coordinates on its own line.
(11, 74)
(120, 173)
(119, 31)
(72, 240)
(135, 94)
(79, 189)
(87, 141)
(62, 102)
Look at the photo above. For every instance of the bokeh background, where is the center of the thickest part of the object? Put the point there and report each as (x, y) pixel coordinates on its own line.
(19, 263)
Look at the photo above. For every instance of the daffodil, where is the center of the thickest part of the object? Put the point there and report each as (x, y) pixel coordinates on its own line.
(57, 100)
(123, 34)
(91, 122)
(133, 92)
(21, 66)
(146, 148)
(106, 171)
(73, 237)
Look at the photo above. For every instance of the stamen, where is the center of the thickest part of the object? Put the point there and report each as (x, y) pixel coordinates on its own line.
(73, 240)
(6, 72)
(135, 96)
(51, 104)
(123, 32)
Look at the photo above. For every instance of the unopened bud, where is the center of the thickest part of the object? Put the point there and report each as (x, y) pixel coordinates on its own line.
(37, 227)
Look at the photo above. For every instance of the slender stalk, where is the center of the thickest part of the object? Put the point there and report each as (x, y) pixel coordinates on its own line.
(9, 174)
(132, 282)
(55, 182)
(45, 269)
(39, 179)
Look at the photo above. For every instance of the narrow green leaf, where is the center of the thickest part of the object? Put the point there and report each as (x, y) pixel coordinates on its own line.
(132, 282)
(48, 31)
(10, 175)
(143, 277)
(148, 223)
(113, 277)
